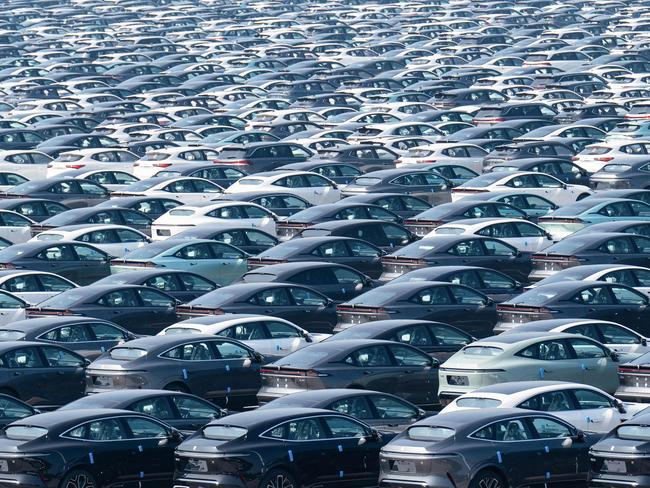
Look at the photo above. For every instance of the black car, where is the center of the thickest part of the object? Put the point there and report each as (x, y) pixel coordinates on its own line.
(337, 281)
(263, 156)
(591, 248)
(140, 309)
(298, 304)
(182, 411)
(42, 375)
(578, 299)
(405, 206)
(280, 203)
(457, 305)
(12, 409)
(71, 192)
(619, 458)
(153, 207)
(88, 448)
(383, 411)
(449, 250)
(491, 282)
(117, 216)
(562, 170)
(222, 175)
(435, 338)
(78, 262)
(363, 156)
(527, 150)
(622, 175)
(88, 337)
(181, 285)
(251, 241)
(344, 210)
(641, 227)
(632, 194)
(35, 208)
(385, 235)
(280, 448)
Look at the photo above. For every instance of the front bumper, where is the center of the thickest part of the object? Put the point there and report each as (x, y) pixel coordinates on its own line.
(609, 481)
(8, 480)
(219, 481)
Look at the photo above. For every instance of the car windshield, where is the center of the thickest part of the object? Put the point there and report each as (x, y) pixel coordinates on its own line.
(433, 434)
(224, 432)
(353, 333)
(63, 300)
(378, 296)
(482, 351)
(279, 252)
(127, 353)
(569, 246)
(477, 402)
(537, 296)
(24, 432)
(11, 335)
(250, 182)
(634, 432)
(142, 185)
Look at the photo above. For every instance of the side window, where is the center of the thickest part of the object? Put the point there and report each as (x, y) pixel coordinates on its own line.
(100, 430)
(392, 408)
(195, 351)
(589, 399)
(361, 249)
(194, 251)
(341, 427)
(21, 284)
(466, 296)
(375, 356)
(467, 248)
(229, 350)
(553, 401)
(247, 331)
(628, 297)
(68, 333)
(304, 297)
(273, 297)
(510, 431)
(433, 296)
(332, 250)
(598, 295)
(151, 298)
(106, 332)
(416, 335)
(495, 280)
(192, 408)
(586, 349)
(357, 407)
(304, 430)
(163, 282)
(587, 330)
(60, 358)
(278, 330)
(89, 254)
(550, 429)
(156, 407)
(495, 248)
(57, 253)
(195, 283)
(613, 334)
(446, 336)
(467, 278)
(141, 428)
(25, 357)
(405, 356)
(347, 277)
(617, 246)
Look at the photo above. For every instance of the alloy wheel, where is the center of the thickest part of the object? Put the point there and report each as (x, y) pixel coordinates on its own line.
(279, 481)
(80, 480)
(490, 483)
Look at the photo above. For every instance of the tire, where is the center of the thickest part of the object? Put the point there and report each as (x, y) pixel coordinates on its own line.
(278, 478)
(488, 479)
(178, 387)
(78, 478)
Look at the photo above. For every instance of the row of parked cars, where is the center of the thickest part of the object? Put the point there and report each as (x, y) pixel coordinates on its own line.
(292, 244)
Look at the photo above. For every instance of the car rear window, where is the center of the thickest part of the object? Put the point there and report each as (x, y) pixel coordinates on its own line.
(250, 182)
(303, 358)
(616, 168)
(127, 353)
(482, 351)
(49, 236)
(433, 434)
(634, 432)
(62, 300)
(181, 330)
(11, 335)
(475, 402)
(24, 432)
(589, 150)
(535, 297)
(367, 181)
(224, 432)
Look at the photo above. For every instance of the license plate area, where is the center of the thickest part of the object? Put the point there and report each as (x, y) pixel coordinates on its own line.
(104, 381)
(457, 380)
(198, 465)
(403, 466)
(4, 466)
(614, 466)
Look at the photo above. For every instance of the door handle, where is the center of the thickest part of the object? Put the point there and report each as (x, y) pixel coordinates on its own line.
(592, 309)
(368, 373)
(16, 373)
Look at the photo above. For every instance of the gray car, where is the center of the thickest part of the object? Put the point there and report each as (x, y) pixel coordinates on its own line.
(216, 368)
(622, 175)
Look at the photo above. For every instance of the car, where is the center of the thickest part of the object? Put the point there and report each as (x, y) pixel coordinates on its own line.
(185, 189)
(224, 176)
(292, 225)
(463, 155)
(540, 184)
(383, 411)
(324, 445)
(102, 159)
(591, 248)
(184, 363)
(115, 216)
(42, 375)
(13, 409)
(614, 457)
(427, 185)
(33, 286)
(399, 369)
(517, 436)
(280, 203)
(216, 261)
(356, 253)
(435, 338)
(632, 194)
(88, 337)
(405, 206)
(35, 209)
(312, 187)
(139, 309)
(461, 249)
(183, 411)
(249, 240)
(458, 305)
(180, 159)
(338, 172)
(528, 356)
(569, 219)
(70, 192)
(622, 175)
(633, 376)
(595, 157)
(585, 407)
(298, 304)
(153, 207)
(29, 164)
(263, 156)
(86, 444)
(492, 283)
(563, 170)
(15, 227)
(177, 220)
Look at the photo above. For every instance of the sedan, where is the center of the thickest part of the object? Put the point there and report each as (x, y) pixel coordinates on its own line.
(80, 263)
(539, 184)
(67, 191)
(33, 286)
(140, 309)
(457, 305)
(153, 207)
(628, 173)
(385, 366)
(296, 303)
(249, 240)
(36, 209)
(117, 216)
(385, 235)
(583, 406)
(456, 447)
(528, 356)
(383, 411)
(452, 250)
(215, 261)
(185, 189)
(279, 448)
(562, 170)
(216, 368)
(42, 375)
(591, 248)
(88, 337)
(86, 448)
(182, 411)
(337, 281)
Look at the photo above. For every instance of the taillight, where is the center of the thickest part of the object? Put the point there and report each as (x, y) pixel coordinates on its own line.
(75, 166)
(234, 162)
(162, 165)
(7, 266)
(604, 159)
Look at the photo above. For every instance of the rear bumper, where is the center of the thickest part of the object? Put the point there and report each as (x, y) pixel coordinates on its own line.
(609, 481)
(22, 481)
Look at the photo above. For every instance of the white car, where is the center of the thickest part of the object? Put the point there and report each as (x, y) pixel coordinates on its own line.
(244, 214)
(185, 189)
(113, 180)
(272, 337)
(586, 407)
(12, 308)
(540, 184)
(88, 159)
(33, 286)
(116, 240)
(15, 227)
(523, 235)
(314, 188)
(30, 164)
(170, 158)
(467, 155)
(595, 157)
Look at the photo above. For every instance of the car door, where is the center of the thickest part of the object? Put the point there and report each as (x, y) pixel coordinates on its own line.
(74, 337)
(92, 264)
(158, 309)
(313, 311)
(631, 308)
(15, 228)
(26, 374)
(62, 260)
(362, 256)
(241, 373)
(417, 375)
(505, 258)
(597, 412)
(530, 237)
(65, 377)
(596, 364)
(124, 308)
(498, 286)
(551, 360)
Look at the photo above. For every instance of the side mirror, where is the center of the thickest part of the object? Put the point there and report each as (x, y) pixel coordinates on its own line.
(374, 436)
(644, 342)
(87, 362)
(579, 436)
(549, 236)
(435, 363)
(257, 357)
(329, 302)
(307, 337)
(620, 407)
(615, 357)
(421, 414)
(489, 302)
(176, 436)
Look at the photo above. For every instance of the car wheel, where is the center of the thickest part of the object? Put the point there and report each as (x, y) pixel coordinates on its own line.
(278, 478)
(78, 478)
(179, 387)
(488, 479)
